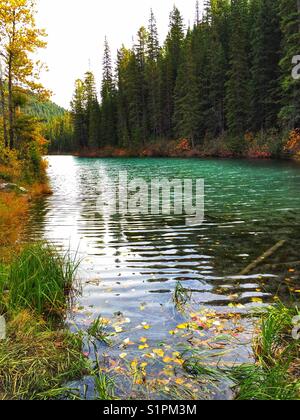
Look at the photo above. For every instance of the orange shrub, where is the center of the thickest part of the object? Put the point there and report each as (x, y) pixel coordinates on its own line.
(293, 143)
(13, 210)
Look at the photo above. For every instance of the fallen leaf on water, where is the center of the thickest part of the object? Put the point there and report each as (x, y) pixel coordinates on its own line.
(182, 326)
(128, 342)
(143, 340)
(168, 360)
(159, 352)
(143, 346)
(257, 300)
(118, 329)
(123, 355)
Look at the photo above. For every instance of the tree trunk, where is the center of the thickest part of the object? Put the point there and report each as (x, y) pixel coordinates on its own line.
(10, 89)
(10, 108)
(2, 103)
(298, 7)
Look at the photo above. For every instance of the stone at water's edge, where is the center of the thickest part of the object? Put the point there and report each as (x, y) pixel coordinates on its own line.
(2, 328)
(8, 187)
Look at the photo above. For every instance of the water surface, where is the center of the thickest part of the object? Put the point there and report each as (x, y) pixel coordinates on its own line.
(131, 264)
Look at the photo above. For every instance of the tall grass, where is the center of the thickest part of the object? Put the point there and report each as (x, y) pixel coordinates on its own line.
(40, 279)
(36, 362)
(276, 374)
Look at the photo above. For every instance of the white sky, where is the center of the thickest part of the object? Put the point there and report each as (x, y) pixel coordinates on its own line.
(76, 31)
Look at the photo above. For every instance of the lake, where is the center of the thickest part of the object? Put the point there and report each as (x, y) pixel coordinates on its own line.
(131, 265)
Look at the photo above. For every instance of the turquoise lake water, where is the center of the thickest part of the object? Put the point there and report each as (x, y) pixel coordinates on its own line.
(131, 264)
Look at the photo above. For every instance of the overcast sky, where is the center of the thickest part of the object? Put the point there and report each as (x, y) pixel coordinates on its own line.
(76, 31)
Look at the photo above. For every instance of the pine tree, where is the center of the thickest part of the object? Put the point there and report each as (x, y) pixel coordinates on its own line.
(238, 84)
(79, 116)
(109, 101)
(123, 125)
(265, 74)
(186, 115)
(153, 78)
(140, 52)
(92, 111)
(170, 67)
(290, 27)
(197, 14)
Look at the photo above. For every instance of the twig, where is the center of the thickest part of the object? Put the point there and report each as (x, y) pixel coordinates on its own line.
(262, 258)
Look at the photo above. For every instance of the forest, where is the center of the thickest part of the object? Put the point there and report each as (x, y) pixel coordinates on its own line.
(101, 306)
(223, 85)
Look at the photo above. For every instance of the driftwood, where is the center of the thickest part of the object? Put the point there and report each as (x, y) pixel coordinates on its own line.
(262, 258)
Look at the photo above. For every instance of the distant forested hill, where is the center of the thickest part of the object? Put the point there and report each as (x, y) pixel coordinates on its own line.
(58, 128)
(44, 110)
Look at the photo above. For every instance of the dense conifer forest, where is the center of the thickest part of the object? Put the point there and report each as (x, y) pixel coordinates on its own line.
(226, 77)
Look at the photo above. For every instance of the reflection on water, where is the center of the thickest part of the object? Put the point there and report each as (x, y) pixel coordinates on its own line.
(133, 262)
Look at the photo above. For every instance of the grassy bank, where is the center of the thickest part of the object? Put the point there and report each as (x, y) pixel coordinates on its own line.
(39, 355)
(276, 373)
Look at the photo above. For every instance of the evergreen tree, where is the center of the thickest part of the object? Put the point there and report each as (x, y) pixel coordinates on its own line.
(170, 67)
(266, 40)
(186, 114)
(153, 78)
(92, 111)
(290, 27)
(109, 101)
(79, 116)
(238, 84)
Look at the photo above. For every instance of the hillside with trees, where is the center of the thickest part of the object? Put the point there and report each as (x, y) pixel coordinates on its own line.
(223, 86)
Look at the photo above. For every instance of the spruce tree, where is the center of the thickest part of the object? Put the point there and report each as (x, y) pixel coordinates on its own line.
(109, 101)
(170, 67)
(238, 84)
(265, 56)
(186, 115)
(153, 78)
(290, 27)
(79, 116)
(92, 111)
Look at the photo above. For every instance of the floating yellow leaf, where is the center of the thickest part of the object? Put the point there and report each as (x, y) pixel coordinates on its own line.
(134, 364)
(257, 300)
(146, 327)
(180, 381)
(144, 365)
(159, 352)
(143, 340)
(182, 326)
(143, 347)
(168, 360)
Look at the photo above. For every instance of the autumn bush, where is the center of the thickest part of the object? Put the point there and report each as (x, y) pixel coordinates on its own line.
(292, 145)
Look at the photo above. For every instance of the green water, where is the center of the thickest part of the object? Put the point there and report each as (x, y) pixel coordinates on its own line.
(132, 263)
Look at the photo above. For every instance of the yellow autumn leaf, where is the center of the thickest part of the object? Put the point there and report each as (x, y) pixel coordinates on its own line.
(143, 346)
(257, 300)
(168, 360)
(182, 326)
(159, 352)
(143, 340)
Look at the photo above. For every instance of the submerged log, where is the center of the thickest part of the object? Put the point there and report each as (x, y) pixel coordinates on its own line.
(262, 258)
